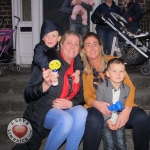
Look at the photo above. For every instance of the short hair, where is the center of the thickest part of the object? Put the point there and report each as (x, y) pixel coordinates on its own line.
(115, 61)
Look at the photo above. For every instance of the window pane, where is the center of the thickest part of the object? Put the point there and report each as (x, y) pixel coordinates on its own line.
(26, 10)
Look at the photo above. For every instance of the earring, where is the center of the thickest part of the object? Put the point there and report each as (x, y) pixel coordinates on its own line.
(58, 46)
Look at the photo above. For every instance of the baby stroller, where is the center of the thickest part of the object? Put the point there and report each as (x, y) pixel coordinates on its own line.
(132, 54)
(7, 53)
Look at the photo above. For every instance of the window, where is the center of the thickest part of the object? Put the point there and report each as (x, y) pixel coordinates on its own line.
(26, 10)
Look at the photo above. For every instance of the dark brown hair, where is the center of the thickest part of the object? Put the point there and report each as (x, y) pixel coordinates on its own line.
(115, 61)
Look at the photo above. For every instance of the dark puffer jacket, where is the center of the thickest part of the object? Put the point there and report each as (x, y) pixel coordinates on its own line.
(106, 10)
(39, 58)
(41, 102)
(135, 12)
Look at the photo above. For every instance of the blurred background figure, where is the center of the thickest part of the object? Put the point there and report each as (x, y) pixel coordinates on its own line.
(105, 32)
(132, 13)
(76, 24)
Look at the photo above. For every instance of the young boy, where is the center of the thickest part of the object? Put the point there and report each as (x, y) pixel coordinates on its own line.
(111, 91)
(49, 42)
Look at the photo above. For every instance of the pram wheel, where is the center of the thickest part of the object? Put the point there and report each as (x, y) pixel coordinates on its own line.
(145, 70)
(1, 71)
(18, 68)
(15, 68)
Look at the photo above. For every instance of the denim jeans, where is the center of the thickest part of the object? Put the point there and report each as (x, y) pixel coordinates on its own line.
(66, 125)
(106, 35)
(79, 28)
(113, 139)
(93, 129)
(138, 121)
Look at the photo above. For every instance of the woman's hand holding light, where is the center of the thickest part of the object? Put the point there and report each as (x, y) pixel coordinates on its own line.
(48, 77)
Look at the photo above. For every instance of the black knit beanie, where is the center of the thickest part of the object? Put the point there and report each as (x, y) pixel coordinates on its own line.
(49, 25)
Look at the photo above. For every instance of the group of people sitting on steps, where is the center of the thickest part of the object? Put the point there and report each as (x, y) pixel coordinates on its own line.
(89, 82)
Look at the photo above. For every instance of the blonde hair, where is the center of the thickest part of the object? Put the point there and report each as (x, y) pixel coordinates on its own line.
(86, 64)
(70, 32)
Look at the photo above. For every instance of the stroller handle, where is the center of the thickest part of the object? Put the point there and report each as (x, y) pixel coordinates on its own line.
(17, 22)
(17, 18)
(115, 29)
(2, 20)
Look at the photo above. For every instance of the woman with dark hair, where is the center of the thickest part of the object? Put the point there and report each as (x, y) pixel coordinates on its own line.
(95, 62)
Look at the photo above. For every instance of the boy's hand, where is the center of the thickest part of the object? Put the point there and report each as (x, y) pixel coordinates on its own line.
(111, 125)
(76, 76)
(123, 117)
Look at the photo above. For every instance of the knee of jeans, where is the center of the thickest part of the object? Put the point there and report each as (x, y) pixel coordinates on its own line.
(82, 112)
(108, 144)
(66, 122)
(141, 117)
(95, 117)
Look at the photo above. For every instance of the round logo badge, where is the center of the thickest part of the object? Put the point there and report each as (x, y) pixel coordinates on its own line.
(19, 130)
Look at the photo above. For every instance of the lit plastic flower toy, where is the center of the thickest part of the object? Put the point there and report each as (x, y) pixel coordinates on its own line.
(54, 65)
(116, 107)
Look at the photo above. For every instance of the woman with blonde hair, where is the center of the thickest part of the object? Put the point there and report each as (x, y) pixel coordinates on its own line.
(95, 62)
(56, 112)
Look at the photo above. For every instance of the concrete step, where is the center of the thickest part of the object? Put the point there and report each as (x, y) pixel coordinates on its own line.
(7, 144)
(16, 82)
(11, 103)
(13, 84)
(142, 98)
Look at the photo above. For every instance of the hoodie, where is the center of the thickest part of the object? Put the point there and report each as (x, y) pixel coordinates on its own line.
(42, 53)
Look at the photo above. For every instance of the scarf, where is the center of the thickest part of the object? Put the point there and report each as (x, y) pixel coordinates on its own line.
(69, 89)
(98, 77)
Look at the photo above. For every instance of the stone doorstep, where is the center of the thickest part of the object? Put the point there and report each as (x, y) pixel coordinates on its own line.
(15, 103)
(7, 144)
(16, 82)
(12, 104)
(16, 86)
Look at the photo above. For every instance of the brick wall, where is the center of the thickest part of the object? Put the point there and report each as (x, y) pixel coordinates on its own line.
(5, 11)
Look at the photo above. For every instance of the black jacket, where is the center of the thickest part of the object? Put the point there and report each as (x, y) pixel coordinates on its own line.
(135, 12)
(41, 102)
(105, 10)
(40, 50)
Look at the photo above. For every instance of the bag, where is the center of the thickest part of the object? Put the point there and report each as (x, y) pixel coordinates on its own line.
(133, 57)
(99, 20)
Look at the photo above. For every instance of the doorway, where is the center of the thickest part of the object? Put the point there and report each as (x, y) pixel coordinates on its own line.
(52, 11)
